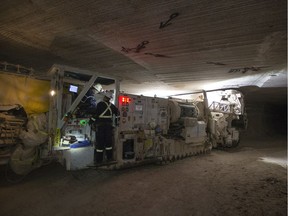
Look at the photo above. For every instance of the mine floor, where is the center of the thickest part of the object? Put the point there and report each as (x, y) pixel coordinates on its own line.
(248, 180)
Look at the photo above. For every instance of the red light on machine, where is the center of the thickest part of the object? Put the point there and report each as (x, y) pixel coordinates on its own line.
(124, 99)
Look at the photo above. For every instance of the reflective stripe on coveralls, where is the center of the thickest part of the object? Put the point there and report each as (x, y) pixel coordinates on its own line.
(108, 148)
(108, 108)
(99, 150)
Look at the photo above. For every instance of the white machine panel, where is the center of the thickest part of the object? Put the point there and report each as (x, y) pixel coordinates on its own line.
(139, 112)
(78, 158)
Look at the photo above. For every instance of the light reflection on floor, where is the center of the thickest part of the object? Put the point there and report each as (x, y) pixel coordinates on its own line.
(279, 158)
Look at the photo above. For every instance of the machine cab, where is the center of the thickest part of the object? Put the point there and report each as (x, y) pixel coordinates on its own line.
(74, 95)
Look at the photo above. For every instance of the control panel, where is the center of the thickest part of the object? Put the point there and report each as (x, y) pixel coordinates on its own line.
(139, 112)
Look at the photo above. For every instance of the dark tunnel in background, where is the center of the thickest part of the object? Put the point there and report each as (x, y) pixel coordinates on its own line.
(267, 112)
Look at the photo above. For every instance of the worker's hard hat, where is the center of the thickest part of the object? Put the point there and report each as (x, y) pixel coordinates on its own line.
(98, 87)
(108, 94)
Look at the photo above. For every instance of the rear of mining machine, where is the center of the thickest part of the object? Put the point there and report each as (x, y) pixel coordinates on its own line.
(163, 130)
(159, 129)
(150, 129)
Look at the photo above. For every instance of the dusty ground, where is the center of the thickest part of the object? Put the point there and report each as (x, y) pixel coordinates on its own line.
(242, 181)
